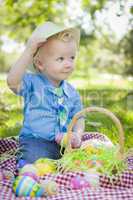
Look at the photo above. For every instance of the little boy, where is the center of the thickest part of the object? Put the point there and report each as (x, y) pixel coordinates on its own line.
(49, 101)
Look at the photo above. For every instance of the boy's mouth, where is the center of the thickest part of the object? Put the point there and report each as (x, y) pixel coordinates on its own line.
(66, 72)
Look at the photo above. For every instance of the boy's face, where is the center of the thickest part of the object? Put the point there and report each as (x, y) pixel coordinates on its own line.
(56, 59)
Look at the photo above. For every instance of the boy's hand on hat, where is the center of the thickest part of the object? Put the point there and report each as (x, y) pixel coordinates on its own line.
(33, 46)
(36, 40)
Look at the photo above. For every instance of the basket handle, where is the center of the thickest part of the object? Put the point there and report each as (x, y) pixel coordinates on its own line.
(101, 110)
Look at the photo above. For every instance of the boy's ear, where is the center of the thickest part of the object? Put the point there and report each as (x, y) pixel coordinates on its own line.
(37, 62)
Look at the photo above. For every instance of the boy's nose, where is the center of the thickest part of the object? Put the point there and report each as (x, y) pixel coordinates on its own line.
(69, 64)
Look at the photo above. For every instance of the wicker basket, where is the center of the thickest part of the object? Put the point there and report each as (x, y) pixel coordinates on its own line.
(120, 152)
(100, 110)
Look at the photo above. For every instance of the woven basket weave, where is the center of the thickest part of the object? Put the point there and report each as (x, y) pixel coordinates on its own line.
(108, 114)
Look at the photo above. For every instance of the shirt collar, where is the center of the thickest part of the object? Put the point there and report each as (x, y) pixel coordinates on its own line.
(65, 88)
(49, 84)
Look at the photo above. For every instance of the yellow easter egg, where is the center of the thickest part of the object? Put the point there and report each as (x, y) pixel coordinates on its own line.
(47, 161)
(90, 149)
(44, 168)
(64, 140)
(41, 160)
(48, 165)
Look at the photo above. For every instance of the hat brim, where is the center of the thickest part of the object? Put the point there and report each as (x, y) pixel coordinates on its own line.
(76, 31)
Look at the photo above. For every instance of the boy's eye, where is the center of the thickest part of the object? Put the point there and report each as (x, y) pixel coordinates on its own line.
(72, 57)
(60, 59)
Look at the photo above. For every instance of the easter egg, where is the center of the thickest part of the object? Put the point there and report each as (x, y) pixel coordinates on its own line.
(94, 164)
(41, 160)
(93, 179)
(26, 186)
(45, 160)
(95, 146)
(77, 162)
(64, 141)
(21, 163)
(32, 175)
(44, 168)
(90, 149)
(90, 163)
(78, 182)
(28, 168)
(50, 187)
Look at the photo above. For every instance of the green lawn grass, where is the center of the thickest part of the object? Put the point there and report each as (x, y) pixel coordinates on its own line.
(119, 101)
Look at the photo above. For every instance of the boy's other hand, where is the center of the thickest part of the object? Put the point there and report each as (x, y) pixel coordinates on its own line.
(59, 138)
(76, 140)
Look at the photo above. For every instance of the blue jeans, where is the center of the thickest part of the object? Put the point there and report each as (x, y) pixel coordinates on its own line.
(31, 149)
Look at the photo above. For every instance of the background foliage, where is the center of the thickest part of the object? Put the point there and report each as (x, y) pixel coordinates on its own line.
(18, 18)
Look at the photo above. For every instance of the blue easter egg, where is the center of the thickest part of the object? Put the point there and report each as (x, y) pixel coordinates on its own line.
(26, 186)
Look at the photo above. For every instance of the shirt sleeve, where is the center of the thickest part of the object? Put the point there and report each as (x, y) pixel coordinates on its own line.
(77, 105)
(25, 87)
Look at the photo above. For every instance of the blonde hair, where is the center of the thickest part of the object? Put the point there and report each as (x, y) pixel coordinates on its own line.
(67, 35)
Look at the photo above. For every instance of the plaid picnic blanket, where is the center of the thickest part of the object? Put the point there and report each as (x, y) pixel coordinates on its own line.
(120, 188)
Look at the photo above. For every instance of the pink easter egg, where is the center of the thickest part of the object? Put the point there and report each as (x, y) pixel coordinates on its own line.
(32, 175)
(78, 182)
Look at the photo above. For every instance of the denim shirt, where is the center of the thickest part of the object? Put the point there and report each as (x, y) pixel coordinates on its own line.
(40, 106)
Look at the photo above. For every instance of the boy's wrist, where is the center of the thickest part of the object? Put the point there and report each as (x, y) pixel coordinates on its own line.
(79, 132)
(31, 51)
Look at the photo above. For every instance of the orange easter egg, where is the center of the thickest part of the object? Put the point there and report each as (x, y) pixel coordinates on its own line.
(77, 162)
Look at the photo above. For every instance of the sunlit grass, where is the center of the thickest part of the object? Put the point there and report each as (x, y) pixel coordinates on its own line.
(113, 99)
(96, 80)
